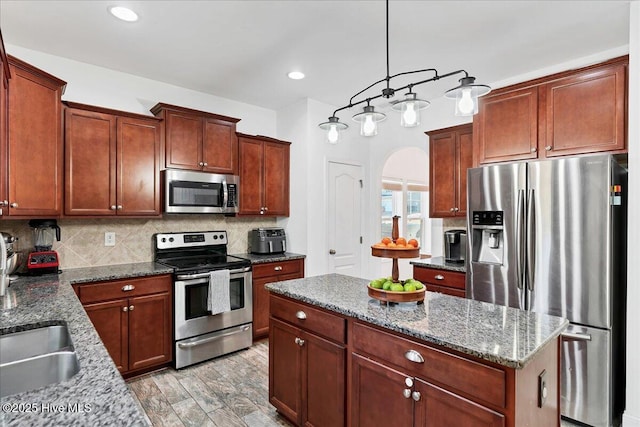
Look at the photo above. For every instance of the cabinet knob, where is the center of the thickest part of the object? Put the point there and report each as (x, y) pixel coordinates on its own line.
(125, 308)
(265, 208)
(406, 393)
(13, 205)
(127, 288)
(113, 207)
(408, 382)
(299, 341)
(414, 356)
(205, 164)
(332, 251)
(416, 395)
(452, 210)
(277, 268)
(533, 150)
(119, 207)
(261, 211)
(439, 277)
(548, 148)
(456, 209)
(301, 315)
(201, 164)
(130, 308)
(3, 203)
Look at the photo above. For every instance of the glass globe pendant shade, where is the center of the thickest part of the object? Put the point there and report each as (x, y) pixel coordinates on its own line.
(369, 119)
(334, 128)
(466, 96)
(409, 109)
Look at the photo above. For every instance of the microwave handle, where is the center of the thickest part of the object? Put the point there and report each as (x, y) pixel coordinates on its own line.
(225, 194)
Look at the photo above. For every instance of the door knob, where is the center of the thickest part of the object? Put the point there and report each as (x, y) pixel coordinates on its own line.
(332, 251)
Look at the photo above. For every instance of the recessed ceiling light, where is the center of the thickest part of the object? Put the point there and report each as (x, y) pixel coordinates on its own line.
(296, 75)
(123, 13)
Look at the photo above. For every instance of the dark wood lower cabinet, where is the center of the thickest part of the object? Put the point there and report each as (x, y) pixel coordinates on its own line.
(135, 329)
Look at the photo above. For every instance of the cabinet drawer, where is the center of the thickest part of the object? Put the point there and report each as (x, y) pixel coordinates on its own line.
(104, 291)
(294, 266)
(439, 277)
(314, 320)
(485, 383)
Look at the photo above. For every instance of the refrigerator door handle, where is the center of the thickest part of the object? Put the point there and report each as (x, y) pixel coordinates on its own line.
(531, 239)
(520, 227)
(574, 336)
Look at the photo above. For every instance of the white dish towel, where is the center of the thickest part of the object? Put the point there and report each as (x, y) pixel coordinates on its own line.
(218, 298)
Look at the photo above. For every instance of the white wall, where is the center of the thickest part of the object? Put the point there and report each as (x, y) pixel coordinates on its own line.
(89, 84)
(632, 411)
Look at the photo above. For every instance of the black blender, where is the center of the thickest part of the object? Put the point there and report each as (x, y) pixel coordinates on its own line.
(42, 260)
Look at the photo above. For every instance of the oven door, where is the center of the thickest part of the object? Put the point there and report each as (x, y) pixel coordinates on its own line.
(191, 315)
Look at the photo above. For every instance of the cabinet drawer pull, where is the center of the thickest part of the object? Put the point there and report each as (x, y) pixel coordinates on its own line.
(414, 356)
(416, 395)
(301, 315)
(127, 288)
(406, 393)
(277, 268)
(439, 277)
(548, 148)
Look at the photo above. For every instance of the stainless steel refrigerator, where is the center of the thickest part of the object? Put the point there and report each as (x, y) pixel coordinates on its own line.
(550, 236)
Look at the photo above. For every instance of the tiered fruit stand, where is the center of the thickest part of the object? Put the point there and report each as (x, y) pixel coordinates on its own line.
(395, 253)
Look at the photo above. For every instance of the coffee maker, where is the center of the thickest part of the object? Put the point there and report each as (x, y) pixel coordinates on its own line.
(455, 246)
(42, 260)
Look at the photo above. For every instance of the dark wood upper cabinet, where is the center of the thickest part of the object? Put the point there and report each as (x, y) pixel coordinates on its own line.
(575, 112)
(450, 155)
(264, 176)
(112, 162)
(197, 140)
(34, 144)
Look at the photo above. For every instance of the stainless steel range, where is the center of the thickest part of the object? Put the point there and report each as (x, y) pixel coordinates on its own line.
(199, 335)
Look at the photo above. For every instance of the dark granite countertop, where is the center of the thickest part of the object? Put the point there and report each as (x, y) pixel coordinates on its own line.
(39, 301)
(503, 335)
(439, 263)
(261, 259)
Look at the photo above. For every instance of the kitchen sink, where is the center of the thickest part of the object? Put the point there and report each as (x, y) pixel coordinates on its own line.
(36, 358)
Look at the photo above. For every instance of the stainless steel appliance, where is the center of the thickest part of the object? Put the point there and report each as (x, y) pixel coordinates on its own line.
(199, 335)
(549, 236)
(9, 260)
(455, 245)
(267, 241)
(200, 192)
(43, 260)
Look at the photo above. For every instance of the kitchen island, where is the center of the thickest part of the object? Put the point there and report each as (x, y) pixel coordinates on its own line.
(362, 363)
(97, 395)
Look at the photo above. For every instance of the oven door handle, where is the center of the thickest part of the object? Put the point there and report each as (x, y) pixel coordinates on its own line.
(203, 275)
(207, 340)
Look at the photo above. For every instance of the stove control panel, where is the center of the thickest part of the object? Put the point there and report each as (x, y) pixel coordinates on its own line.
(189, 240)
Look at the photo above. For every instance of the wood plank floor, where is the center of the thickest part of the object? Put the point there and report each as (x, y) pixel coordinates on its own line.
(230, 391)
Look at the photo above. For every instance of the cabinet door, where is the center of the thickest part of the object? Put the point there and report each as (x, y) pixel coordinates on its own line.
(586, 112)
(261, 307)
(276, 179)
(506, 126)
(285, 366)
(90, 163)
(323, 384)
(35, 145)
(150, 332)
(138, 172)
(111, 322)
(437, 407)
(442, 190)
(251, 176)
(183, 141)
(377, 397)
(464, 161)
(219, 147)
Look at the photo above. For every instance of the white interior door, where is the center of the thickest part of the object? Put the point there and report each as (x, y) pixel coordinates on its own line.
(345, 219)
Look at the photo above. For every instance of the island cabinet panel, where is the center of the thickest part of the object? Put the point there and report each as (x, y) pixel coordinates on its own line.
(450, 155)
(264, 175)
(198, 140)
(134, 320)
(35, 146)
(575, 112)
(267, 273)
(112, 162)
(443, 281)
(307, 373)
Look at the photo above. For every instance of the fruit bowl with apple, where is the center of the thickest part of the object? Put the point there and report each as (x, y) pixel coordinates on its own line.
(386, 290)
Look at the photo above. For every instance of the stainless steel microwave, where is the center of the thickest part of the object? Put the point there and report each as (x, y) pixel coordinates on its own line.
(191, 192)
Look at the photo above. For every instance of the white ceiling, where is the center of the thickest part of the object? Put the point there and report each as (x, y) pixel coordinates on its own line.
(242, 49)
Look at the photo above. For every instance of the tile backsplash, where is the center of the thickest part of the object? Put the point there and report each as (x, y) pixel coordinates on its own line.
(82, 240)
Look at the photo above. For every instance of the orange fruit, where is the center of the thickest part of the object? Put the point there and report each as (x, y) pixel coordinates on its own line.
(386, 240)
(391, 245)
(413, 242)
(380, 246)
(401, 241)
(400, 246)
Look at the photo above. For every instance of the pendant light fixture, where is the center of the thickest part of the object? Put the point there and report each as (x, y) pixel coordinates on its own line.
(466, 97)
